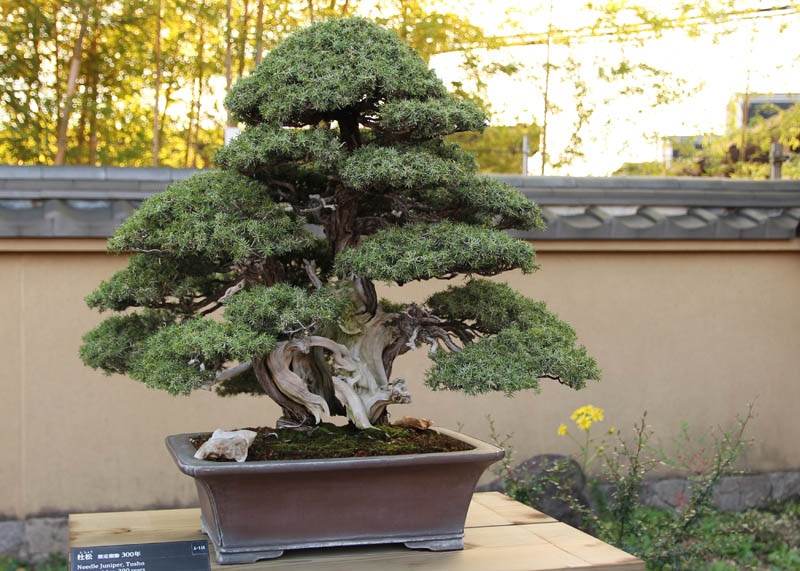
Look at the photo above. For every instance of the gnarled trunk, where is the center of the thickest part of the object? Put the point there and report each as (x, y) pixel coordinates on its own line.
(344, 372)
(346, 381)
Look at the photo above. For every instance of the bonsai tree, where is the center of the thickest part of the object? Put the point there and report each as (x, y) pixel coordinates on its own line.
(260, 276)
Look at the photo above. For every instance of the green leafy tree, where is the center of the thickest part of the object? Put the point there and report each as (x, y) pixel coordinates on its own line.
(27, 106)
(151, 67)
(743, 152)
(588, 79)
(260, 276)
(499, 150)
(429, 30)
(75, 73)
(571, 83)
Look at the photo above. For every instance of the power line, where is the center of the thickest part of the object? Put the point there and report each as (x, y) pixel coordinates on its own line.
(630, 30)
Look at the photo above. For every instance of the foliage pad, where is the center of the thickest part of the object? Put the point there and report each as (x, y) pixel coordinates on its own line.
(523, 342)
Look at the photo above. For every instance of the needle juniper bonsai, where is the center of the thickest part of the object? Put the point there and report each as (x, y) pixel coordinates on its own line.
(260, 276)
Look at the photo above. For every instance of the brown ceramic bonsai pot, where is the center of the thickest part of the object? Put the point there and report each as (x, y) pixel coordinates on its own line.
(257, 510)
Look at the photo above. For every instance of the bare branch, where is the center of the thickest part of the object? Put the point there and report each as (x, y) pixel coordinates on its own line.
(233, 371)
(311, 271)
(234, 289)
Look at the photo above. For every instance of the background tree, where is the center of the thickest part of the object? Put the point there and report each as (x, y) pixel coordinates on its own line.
(157, 80)
(65, 114)
(141, 96)
(567, 80)
(229, 284)
(29, 107)
(498, 150)
(723, 155)
(152, 71)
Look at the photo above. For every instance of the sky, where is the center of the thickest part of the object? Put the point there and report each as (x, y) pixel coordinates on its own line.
(759, 55)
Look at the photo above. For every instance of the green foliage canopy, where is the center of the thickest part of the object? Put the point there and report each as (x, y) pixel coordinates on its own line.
(218, 215)
(542, 344)
(300, 83)
(423, 251)
(320, 196)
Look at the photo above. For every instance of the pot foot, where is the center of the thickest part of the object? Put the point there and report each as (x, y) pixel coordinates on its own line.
(454, 544)
(247, 556)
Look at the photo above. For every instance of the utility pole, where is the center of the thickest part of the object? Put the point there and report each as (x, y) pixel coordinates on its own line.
(745, 119)
(776, 159)
(543, 137)
(526, 151)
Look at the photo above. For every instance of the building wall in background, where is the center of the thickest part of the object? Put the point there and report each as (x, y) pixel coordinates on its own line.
(685, 330)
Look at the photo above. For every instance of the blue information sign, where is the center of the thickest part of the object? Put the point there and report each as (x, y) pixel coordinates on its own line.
(171, 556)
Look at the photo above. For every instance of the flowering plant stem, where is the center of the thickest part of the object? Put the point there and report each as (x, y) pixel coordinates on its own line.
(619, 517)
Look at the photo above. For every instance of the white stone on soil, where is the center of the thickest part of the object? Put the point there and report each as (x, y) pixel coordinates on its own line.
(231, 445)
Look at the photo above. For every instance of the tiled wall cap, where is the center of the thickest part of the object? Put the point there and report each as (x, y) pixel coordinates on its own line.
(82, 201)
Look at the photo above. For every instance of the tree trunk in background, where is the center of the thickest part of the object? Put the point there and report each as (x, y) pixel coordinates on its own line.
(193, 128)
(92, 81)
(72, 80)
(242, 40)
(259, 31)
(228, 46)
(157, 88)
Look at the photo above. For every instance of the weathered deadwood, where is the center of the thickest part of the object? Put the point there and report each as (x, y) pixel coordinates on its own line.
(289, 383)
(294, 413)
(347, 371)
(233, 371)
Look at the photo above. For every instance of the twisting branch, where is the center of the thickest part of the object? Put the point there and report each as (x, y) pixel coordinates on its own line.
(416, 325)
(233, 371)
(321, 205)
(215, 299)
(234, 289)
(311, 271)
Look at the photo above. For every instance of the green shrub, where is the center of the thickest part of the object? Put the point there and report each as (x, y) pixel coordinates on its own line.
(695, 535)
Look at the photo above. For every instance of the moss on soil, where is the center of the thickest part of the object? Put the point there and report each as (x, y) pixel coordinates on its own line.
(332, 441)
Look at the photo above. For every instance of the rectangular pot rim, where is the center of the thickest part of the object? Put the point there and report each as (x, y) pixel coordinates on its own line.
(183, 451)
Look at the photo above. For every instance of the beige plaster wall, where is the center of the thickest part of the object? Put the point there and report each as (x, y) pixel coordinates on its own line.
(685, 331)
(692, 336)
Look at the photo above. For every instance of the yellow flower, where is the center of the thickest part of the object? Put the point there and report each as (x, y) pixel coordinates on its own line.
(612, 430)
(585, 416)
(562, 429)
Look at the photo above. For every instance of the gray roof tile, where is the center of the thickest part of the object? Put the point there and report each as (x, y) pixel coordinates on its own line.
(80, 201)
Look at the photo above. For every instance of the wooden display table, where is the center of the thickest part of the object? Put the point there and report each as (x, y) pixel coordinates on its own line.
(500, 534)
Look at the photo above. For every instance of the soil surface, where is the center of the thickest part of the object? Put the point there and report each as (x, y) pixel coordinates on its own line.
(332, 441)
